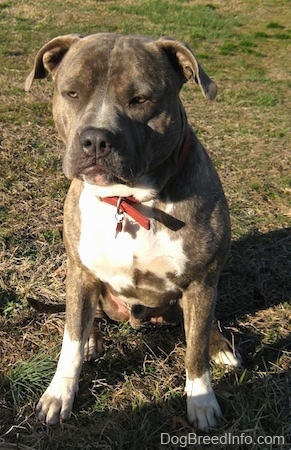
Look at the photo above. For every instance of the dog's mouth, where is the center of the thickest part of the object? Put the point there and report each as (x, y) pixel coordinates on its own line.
(94, 175)
(97, 175)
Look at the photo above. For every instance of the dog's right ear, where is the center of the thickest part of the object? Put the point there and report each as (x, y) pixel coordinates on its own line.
(49, 57)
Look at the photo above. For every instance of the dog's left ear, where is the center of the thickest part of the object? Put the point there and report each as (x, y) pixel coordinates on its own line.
(189, 65)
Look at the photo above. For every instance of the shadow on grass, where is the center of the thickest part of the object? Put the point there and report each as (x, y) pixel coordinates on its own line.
(257, 274)
(255, 280)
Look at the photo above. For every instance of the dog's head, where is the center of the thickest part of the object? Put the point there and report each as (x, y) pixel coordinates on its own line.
(116, 104)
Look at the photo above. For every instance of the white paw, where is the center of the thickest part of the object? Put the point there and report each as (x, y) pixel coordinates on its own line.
(228, 359)
(56, 403)
(203, 409)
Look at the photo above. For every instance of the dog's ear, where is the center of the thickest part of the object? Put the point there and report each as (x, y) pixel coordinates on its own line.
(189, 65)
(49, 57)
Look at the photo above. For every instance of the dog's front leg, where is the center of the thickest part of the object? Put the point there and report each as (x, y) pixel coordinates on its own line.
(82, 296)
(198, 306)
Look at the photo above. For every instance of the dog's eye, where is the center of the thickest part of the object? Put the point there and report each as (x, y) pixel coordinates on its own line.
(137, 101)
(72, 94)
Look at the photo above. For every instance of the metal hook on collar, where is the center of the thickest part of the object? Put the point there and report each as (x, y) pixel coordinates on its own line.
(118, 209)
(119, 216)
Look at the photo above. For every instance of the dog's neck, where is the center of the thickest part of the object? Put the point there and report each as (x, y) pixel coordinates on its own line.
(127, 204)
(182, 157)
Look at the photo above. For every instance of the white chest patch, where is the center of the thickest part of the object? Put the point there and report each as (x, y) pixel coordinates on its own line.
(114, 259)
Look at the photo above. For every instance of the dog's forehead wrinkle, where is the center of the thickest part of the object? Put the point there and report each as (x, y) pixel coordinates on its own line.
(103, 59)
(136, 63)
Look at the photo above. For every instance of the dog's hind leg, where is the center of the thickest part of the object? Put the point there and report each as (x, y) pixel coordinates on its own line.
(222, 351)
(94, 344)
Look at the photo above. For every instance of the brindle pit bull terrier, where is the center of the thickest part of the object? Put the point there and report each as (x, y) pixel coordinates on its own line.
(146, 223)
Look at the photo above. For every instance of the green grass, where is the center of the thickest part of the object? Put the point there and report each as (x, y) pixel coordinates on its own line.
(200, 22)
(275, 25)
(135, 389)
(27, 378)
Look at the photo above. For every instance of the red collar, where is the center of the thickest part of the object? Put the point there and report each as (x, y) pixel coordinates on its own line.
(126, 204)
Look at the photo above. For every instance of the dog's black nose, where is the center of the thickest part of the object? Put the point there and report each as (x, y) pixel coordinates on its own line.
(96, 141)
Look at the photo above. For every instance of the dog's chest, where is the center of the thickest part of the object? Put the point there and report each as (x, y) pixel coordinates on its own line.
(115, 259)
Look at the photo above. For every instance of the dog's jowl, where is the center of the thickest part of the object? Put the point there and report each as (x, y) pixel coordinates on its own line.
(146, 223)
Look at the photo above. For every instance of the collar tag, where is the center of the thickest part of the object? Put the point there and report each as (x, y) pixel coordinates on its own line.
(119, 217)
(126, 205)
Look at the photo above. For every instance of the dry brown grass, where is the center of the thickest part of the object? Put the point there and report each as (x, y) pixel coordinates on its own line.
(135, 390)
